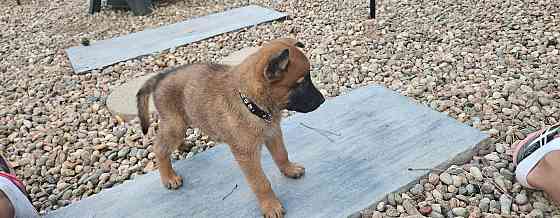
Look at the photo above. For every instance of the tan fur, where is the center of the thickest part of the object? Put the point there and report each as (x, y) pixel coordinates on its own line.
(207, 97)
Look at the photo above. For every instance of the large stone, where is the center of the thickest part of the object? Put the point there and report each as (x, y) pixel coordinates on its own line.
(122, 100)
(238, 56)
(356, 148)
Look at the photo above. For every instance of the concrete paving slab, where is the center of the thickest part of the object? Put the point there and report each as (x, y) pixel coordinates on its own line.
(122, 100)
(110, 51)
(356, 148)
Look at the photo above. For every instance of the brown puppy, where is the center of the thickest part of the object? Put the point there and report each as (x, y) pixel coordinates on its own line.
(238, 105)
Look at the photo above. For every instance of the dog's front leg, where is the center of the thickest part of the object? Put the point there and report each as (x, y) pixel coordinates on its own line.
(275, 144)
(249, 160)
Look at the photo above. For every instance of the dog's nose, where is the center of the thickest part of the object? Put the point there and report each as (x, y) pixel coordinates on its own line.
(320, 99)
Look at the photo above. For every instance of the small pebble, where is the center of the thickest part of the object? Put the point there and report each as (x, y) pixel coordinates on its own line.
(446, 178)
(471, 189)
(457, 181)
(476, 173)
(123, 152)
(521, 199)
(536, 213)
(433, 178)
(494, 206)
(437, 208)
(492, 157)
(391, 198)
(436, 215)
(377, 214)
(425, 210)
(417, 189)
(505, 204)
(392, 212)
(487, 188)
(484, 205)
(525, 208)
(541, 206)
(437, 194)
(410, 207)
(381, 206)
(460, 211)
(500, 148)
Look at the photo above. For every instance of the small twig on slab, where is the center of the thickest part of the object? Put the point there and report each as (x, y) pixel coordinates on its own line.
(425, 169)
(231, 192)
(321, 131)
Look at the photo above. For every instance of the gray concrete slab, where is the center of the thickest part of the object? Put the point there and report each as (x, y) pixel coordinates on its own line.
(122, 99)
(358, 149)
(110, 51)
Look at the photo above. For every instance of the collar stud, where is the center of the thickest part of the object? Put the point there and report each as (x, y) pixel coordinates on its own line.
(255, 109)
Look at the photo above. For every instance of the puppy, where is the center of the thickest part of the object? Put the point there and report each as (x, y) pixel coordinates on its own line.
(237, 105)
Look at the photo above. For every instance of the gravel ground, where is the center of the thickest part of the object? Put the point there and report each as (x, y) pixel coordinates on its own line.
(491, 64)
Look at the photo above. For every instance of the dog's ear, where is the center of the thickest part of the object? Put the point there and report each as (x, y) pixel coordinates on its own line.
(277, 64)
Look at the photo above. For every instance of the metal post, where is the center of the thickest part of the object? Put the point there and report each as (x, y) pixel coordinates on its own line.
(140, 7)
(94, 6)
(372, 9)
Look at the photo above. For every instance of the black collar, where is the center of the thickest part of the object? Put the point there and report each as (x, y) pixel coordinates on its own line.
(255, 109)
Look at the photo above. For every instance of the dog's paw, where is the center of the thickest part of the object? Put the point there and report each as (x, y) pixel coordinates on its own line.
(273, 209)
(293, 170)
(172, 182)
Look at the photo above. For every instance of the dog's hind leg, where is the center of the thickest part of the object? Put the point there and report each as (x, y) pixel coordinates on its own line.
(171, 135)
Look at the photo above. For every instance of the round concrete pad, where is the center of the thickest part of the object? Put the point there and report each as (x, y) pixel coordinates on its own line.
(122, 100)
(237, 57)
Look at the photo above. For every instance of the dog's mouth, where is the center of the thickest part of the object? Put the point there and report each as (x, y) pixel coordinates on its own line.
(305, 97)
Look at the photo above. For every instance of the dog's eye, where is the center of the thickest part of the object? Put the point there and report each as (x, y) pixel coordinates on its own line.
(296, 85)
(301, 81)
(298, 82)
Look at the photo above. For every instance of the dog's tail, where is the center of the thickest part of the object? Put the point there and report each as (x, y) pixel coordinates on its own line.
(143, 100)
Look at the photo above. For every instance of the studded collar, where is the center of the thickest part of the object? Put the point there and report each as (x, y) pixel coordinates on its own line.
(255, 109)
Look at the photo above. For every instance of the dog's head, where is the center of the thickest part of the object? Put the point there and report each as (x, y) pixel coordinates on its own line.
(286, 70)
